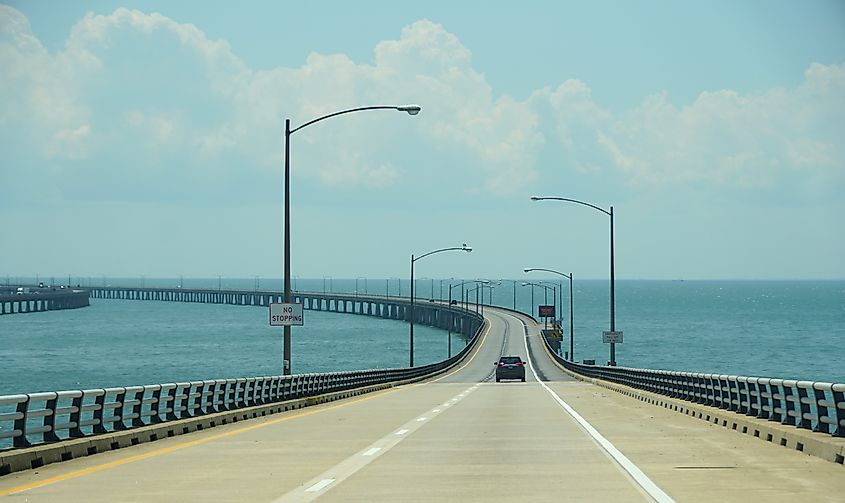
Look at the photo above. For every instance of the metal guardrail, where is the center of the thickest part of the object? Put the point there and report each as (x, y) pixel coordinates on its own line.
(816, 406)
(40, 418)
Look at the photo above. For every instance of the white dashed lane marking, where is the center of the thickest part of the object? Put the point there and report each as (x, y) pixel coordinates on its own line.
(348, 467)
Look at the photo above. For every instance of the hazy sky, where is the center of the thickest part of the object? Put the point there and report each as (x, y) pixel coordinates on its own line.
(146, 137)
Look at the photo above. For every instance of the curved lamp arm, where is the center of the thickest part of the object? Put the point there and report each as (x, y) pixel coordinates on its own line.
(463, 247)
(410, 109)
(527, 283)
(548, 270)
(541, 198)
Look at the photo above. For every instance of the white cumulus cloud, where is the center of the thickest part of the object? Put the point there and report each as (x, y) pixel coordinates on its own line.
(135, 94)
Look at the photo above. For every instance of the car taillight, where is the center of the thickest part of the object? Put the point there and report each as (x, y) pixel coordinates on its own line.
(519, 363)
(501, 364)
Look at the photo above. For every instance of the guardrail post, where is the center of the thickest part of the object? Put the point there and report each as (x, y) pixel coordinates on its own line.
(155, 406)
(211, 404)
(196, 406)
(788, 405)
(137, 396)
(838, 391)
(240, 393)
(230, 394)
(171, 403)
(97, 416)
(50, 420)
(803, 408)
(119, 397)
(75, 417)
(753, 408)
(822, 410)
(19, 424)
(767, 400)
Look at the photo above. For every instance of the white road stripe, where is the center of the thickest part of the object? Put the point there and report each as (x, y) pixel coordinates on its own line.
(623, 462)
(319, 485)
(352, 464)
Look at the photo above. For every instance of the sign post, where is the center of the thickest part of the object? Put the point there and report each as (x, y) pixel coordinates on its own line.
(282, 315)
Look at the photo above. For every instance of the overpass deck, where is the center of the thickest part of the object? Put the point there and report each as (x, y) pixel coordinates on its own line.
(458, 437)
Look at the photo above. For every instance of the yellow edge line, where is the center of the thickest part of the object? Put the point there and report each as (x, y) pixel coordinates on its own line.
(184, 445)
(192, 443)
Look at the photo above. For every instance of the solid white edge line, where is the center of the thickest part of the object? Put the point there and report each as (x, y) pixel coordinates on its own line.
(319, 485)
(402, 432)
(626, 464)
(372, 451)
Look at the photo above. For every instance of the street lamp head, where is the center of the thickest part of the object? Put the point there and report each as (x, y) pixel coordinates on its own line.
(466, 248)
(535, 198)
(526, 269)
(411, 109)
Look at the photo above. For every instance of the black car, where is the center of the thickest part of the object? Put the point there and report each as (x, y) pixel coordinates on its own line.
(510, 367)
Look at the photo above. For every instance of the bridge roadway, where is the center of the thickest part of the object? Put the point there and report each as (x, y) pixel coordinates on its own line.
(458, 437)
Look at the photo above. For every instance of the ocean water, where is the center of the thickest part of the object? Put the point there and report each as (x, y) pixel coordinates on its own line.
(788, 329)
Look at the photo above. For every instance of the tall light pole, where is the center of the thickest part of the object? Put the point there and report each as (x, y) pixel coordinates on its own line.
(554, 288)
(557, 287)
(451, 318)
(479, 292)
(514, 290)
(490, 286)
(463, 247)
(465, 293)
(410, 109)
(571, 324)
(365, 285)
(612, 361)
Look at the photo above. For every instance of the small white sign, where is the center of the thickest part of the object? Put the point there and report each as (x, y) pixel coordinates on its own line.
(611, 337)
(283, 315)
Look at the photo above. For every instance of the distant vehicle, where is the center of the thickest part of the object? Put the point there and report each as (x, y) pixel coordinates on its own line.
(454, 302)
(510, 367)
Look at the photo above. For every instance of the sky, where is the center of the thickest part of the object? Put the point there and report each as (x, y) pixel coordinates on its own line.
(146, 138)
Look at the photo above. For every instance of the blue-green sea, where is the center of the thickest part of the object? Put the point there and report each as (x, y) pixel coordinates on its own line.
(788, 329)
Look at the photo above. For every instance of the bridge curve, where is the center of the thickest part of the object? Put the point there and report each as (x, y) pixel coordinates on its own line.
(435, 314)
(457, 436)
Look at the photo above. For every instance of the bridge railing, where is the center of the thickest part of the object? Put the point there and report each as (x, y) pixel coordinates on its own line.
(816, 406)
(40, 418)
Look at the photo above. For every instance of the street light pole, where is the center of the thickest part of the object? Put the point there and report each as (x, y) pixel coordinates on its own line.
(451, 317)
(410, 109)
(571, 304)
(464, 248)
(612, 361)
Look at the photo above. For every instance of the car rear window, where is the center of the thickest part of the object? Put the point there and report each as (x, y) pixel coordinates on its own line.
(510, 359)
